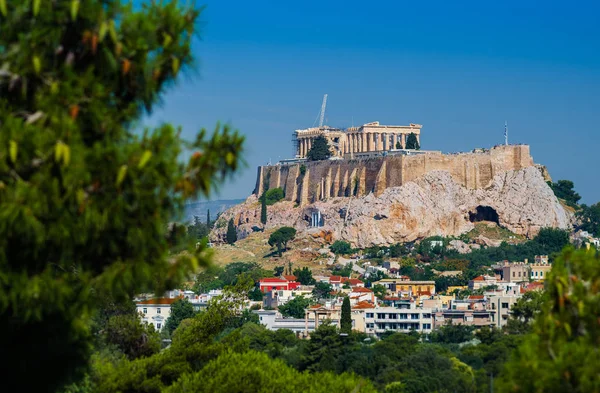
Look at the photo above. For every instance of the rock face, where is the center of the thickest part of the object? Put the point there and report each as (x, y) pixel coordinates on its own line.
(433, 204)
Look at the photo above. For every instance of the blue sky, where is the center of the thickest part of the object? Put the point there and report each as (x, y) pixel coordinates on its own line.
(459, 68)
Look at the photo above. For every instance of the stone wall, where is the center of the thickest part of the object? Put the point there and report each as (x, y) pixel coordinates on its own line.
(358, 177)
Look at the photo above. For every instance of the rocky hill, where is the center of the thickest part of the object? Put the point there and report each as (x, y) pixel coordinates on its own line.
(433, 204)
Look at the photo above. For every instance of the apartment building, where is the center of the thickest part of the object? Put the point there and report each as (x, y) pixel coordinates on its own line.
(378, 320)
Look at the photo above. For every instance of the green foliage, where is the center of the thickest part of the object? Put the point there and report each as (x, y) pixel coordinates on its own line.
(278, 271)
(319, 150)
(379, 291)
(590, 218)
(346, 271)
(322, 290)
(302, 170)
(452, 333)
(398, 145)
(273, 196)
(411, 142)
(231, 235)
(561, 353)
(180, 310)
(256, 372)
(255, 294)
(85, 200)
(563, 189)
(346, 318)
(132, 337)
(304, 276)
(263, 210)
(281, 237)
(341, 247)
(524, 311)
(295, 308)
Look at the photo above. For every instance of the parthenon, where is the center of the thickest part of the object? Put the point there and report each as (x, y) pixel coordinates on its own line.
(370, 137)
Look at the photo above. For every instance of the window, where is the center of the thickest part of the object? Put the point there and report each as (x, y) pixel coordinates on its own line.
(145, 310)
(393, 316)
(514, 274)
(519, 274)
(158, 325)
(158, 310)
(504, 305)
(370, 325)
(493, 306)
(414, 316)
(380, 316)
(541, 273)
(426, 326)
(403, 316)
(369, 315)
(426, 316)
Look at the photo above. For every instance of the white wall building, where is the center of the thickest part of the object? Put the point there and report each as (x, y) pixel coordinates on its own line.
(381, 319)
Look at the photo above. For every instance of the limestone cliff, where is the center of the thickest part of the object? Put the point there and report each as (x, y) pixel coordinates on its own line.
(434, 203)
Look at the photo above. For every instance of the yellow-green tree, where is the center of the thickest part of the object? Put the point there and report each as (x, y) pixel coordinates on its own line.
(86, 199)
(562, 352)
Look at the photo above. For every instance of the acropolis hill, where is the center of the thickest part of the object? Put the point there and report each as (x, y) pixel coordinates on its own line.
(370, 193)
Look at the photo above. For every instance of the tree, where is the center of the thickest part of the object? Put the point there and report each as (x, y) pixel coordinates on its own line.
(322, 290)
(561, 352)
(411, 142)
(231, 235)
(319, 150)
(134, 338)
(304, 276)
(263, 210)
(563, 189)
(257, 372)
(380, 291)
(85, 200)
(452, 333)
(281, 237)
(590, 218)
(398, 145)
(524, 311)
(552, 239)
(340, 247)
(255, 294)
(208, 221)
(278, 271)
(295, 308)
(346, 318)
(273, 196)
(180, 310)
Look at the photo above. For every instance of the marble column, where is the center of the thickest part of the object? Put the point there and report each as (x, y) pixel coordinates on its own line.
(394, 140)
(403, 140)
(364, 143)
(418, 139)
(380, 136)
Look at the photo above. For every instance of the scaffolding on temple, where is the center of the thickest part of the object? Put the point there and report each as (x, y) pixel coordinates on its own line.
(295, 153)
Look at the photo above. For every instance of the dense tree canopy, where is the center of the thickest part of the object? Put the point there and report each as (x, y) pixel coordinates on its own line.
(319, 149)
(411, 142)
(180, 310)
(590, 218)
(295, 308)
(561, 353)
(341, 247)
(84, 200)
(281, 237)
(564, 189)
(273, 196)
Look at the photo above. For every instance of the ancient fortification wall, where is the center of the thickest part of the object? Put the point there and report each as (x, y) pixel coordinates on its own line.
(357, 177)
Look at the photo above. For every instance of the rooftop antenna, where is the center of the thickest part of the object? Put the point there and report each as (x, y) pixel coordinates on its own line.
(323, 106)
(506, 133)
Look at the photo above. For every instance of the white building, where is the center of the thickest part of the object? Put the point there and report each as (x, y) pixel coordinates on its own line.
(155, 311)
(381, 319)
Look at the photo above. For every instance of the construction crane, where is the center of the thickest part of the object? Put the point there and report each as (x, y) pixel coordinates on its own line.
(323, 105)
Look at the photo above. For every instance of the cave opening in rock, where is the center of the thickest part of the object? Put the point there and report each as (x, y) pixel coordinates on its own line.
(484, 213)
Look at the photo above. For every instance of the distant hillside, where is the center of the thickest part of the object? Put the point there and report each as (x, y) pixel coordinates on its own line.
(200, 208)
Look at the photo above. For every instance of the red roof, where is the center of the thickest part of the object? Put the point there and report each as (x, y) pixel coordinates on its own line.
(361, 289)
(160, 301)
(363, 304)
(351, 281)
(475, 297)
(335, 278)
(290, 277)
(273, 280)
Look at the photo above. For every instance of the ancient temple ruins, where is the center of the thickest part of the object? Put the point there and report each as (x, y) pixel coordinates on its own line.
(370, 137)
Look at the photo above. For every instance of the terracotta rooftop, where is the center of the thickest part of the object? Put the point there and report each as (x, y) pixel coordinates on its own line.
(160, 301)
(335, 278)
(363, 304)
(361, 289)
(351, 281)
(479, 278)
(475, 297)
(290, 277)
